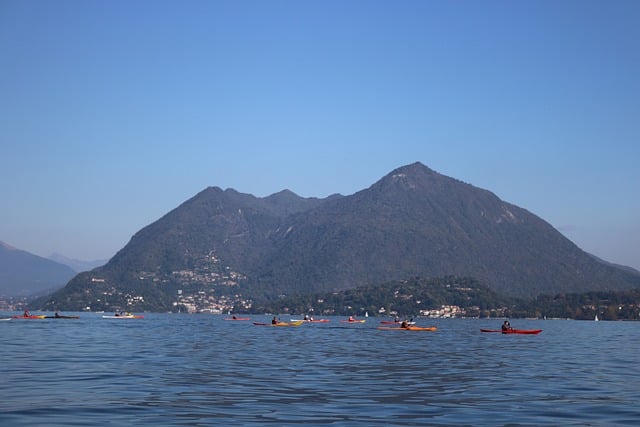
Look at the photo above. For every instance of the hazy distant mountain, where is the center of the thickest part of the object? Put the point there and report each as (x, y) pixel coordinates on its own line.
(77, 265)
(412, 222)
(22, 273)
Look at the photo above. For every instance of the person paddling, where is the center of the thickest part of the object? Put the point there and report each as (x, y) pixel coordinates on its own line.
(506, 326)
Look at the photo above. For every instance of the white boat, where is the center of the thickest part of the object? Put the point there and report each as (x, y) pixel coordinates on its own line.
(596, 319)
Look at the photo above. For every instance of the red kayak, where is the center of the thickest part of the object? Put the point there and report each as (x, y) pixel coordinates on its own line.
(514, 331)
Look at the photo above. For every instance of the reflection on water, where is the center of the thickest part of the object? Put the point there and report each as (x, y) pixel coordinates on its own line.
(201, 370)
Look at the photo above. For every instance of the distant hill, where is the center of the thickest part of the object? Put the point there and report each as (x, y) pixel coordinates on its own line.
(77, 265)
(412, 297)
(414, 222)
(23, 273)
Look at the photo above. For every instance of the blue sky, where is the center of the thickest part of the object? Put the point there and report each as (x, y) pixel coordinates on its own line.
(112, 113)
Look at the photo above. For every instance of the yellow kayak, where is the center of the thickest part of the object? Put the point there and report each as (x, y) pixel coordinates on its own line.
(296, 323)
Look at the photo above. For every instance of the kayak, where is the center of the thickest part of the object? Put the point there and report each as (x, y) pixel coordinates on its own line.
(352, 321)
(29, 317)
(393, 322)
(312, 321)
(292, 323)
(237, 318)
(123, 317)
(61, 317)
(410, 328)
(514, 331)
(5, 318)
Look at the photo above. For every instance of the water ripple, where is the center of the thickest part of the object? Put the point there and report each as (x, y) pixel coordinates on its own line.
(200, 370)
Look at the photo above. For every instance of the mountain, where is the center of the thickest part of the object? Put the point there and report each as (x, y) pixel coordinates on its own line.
(225, 247)
(417, 222)
(76, 264)
(23, 273)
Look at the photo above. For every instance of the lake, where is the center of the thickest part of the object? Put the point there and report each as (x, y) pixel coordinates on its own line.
(197, 370)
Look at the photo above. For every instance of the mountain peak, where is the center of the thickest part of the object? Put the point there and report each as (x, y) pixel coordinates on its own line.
(286, 193)
(412, 168)
(415, 177)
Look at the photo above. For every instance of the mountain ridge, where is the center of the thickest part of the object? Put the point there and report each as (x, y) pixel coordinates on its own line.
(412, 222)
(23, 273)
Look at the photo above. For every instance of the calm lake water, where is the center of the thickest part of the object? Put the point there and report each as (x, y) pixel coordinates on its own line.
(197, 370)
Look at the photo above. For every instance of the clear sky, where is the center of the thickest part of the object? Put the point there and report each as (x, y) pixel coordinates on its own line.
(112, 113)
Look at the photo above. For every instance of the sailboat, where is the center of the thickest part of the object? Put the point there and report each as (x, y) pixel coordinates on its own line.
(596, 319)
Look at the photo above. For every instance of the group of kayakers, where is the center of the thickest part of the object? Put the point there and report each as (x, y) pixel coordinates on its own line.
(506, 326)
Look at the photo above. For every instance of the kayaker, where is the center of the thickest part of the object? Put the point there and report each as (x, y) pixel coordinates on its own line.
(26, 313)
(306, 317)
(351, 319)
(274, 321)
(404, 324)
(506, 326)
(57, 314)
